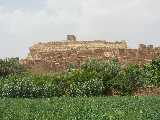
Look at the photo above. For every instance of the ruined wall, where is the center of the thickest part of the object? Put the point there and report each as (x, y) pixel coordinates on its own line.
(59, 60)
(56, 56)
(78, 45)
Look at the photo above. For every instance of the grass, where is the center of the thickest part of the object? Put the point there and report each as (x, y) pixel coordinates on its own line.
(81, 108)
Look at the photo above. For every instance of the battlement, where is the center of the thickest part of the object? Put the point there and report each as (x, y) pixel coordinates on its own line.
(143, 46)
(71, 38)
(72, 43)
(56, 56)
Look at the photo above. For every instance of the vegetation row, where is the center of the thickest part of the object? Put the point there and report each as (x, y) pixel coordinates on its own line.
(93, 78)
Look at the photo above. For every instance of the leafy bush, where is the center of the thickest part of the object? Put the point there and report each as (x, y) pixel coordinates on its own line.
(128, 80)
(32, 86)
(151, 73)
(10, 66)
(83, 83)
(104, 70)
(49, 86)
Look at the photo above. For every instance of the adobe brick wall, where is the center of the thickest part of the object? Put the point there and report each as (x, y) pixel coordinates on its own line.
(56, 56)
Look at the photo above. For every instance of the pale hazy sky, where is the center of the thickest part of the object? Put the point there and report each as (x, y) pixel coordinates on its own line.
(25, 22)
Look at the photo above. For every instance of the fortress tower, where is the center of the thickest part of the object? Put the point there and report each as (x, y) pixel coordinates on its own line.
(71, 38)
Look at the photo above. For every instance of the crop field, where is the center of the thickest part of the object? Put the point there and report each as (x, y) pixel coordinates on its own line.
(81, 108)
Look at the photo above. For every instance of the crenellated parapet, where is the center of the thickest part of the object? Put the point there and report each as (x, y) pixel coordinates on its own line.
(56, 56)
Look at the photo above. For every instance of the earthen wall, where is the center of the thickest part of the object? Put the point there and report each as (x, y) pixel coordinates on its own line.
(59, 60)
(56, 56)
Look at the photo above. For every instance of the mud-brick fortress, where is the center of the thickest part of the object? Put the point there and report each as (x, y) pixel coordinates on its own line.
(56, 56)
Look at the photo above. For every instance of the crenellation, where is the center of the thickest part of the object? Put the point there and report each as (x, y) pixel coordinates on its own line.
(56, 56)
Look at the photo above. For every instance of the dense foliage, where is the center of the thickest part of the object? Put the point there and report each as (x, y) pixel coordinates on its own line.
(151, 73)
(10, 66)
(128, 80)
(93, 78)
(81, 108)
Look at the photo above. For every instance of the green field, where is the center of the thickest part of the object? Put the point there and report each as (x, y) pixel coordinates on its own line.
(81, 108)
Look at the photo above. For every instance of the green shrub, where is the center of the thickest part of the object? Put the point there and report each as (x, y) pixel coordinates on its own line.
(128, 80)
(32, 86)
(10, 66)
(83, 83)
(151, 73)
(109, 72)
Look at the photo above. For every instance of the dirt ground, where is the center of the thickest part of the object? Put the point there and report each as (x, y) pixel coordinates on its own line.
(148, 91)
